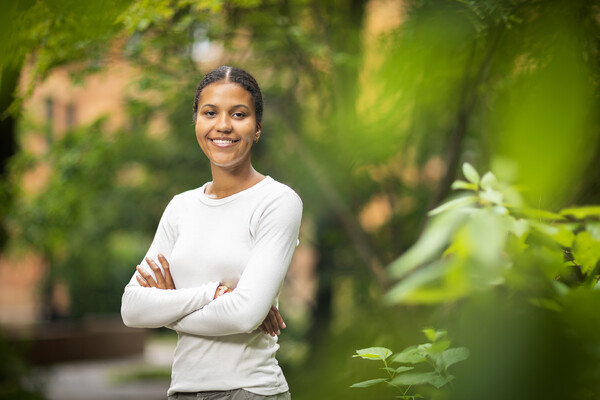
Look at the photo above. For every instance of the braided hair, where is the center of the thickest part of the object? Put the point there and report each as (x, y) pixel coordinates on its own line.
(234, 75)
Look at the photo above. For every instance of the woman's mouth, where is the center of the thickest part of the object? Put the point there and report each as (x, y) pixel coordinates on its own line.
(224, 142)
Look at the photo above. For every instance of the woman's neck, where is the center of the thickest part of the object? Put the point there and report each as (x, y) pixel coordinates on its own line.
(228, 182)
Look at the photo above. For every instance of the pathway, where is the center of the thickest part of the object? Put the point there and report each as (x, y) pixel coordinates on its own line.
(105, 379)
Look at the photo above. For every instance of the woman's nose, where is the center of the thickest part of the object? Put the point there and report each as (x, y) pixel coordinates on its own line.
(223, 123)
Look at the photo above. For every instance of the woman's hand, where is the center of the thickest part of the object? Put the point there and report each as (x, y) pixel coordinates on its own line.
(165, 281)
(221, 290)
(272, 323)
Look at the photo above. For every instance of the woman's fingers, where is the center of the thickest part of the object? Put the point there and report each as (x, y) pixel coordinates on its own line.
(268, 327)
(141, 279)
(273, 321)
(279, 318)
(150, 282)
(168, 278)
(160, 279)
(263, 329)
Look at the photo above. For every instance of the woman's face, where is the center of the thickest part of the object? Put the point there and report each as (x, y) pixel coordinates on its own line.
(226, 124)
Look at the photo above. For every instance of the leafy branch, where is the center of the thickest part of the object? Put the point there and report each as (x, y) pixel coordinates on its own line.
(486, 237)
(435, 356)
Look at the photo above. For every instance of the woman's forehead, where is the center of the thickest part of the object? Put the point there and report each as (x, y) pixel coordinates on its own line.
(225, 92)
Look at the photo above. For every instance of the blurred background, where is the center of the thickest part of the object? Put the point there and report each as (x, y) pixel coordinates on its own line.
(371, 109)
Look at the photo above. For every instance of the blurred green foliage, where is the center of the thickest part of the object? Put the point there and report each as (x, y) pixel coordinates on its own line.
(355, 116)
(101, 205)
(57, 32)
(488, 237)
(529, 268)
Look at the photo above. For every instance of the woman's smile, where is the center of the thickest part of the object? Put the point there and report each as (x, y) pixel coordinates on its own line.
(223, 143)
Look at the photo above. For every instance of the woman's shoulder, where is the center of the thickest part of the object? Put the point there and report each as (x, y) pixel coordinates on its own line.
(186, 197)
(275, 189)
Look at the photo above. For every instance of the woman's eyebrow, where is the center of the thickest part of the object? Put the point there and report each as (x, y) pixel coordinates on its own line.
(235, 106)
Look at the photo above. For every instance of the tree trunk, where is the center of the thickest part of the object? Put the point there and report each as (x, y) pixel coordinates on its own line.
(8, 143)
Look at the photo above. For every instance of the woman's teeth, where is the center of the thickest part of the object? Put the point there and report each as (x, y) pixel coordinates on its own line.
(220, 141)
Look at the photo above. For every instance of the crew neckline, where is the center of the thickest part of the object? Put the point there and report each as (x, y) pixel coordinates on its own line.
(210, 201)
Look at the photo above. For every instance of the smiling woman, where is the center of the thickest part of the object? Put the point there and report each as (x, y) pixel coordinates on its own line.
(223, 251)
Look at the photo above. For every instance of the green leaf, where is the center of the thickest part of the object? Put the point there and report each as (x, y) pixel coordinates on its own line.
(410, 355)
(402, 369)
(373, 353)
(499, 209)
(439, 346)
(582, 212)
(586, 251)
(431, 243)
(518, 226)
(533, 213)
(560, 234)
(434, 335)
(459, 184)
(594, 229)
(425, 347)
(489, 181)
(369, 383)
(429, 333)
(561, 288)
(470, 173)
(484, 239)
(439, 282)
(491, 196)
(453, 204)
(454, 355)
(420, 378)
(547, 304)
(407, 286)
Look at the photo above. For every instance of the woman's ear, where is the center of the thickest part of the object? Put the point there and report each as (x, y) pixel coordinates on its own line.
(257, 134)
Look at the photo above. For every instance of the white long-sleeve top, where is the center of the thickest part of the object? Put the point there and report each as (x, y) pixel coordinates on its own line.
(244, 241)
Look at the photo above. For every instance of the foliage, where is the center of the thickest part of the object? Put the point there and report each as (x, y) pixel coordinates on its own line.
(352, 118)
(521, 281)
(94, 219)
(57, 32)
(437, 354)
(317, 100)
(487, 237)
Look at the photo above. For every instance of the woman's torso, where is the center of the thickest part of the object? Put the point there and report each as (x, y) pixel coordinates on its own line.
(215, 239)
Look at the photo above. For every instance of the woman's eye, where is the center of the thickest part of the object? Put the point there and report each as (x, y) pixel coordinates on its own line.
(239, 115)
(210, 113)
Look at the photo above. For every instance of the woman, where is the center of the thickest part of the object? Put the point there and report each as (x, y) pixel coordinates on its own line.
(215, 268)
